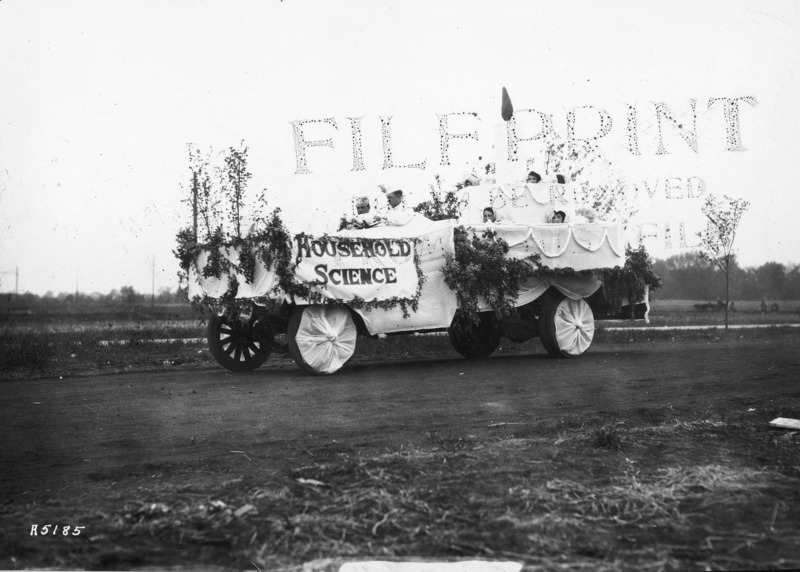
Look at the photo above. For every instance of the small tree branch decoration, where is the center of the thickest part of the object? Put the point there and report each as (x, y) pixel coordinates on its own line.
(716, 243)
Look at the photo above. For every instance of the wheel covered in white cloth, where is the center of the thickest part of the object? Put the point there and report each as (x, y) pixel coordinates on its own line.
(566, 326)
(321, 338)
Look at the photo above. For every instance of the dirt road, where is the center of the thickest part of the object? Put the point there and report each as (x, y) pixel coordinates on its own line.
(63, 433)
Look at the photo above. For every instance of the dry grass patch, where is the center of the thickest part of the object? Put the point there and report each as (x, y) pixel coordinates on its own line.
(550, 498)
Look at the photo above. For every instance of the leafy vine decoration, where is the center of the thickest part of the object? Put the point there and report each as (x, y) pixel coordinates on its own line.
(481, 269)
(631, 280)
(272, 246)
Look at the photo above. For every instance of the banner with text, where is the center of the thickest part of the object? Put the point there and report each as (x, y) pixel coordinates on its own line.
(344, 268)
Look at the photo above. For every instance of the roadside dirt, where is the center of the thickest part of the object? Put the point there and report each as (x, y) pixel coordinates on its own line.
(85, 445)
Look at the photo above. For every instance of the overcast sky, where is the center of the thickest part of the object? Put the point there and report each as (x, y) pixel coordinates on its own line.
(100, 100)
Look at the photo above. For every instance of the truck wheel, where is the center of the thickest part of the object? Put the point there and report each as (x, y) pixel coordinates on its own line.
(238, 345)
(566, 326)
(475, 341)
(321, 338)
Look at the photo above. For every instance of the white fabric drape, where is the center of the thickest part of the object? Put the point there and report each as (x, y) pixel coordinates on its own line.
(579, 247)
(437, 303)
(399, 215)
(326, 337)
(263, 280)
(574, 326)
(590, 236)
(519, 202)
(574, 287)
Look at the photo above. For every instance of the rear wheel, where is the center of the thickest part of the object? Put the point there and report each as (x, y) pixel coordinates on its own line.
(475, 341)
(321, 338)
(238, 345)
(566, 326)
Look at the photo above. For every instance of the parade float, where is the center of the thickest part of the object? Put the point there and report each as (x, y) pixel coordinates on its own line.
(517, 275)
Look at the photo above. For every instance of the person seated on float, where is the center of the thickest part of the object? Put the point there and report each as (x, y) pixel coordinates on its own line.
(533, 177)
(364, 218)
(398, 214)
(472, 180)
(560, 180)
(362, 205)
(558, 217)
(491, 216)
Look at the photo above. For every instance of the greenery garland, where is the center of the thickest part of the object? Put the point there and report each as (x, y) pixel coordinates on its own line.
(442, 205)
(631, 280)
(272, 246)
(481, 269)
(478, 269)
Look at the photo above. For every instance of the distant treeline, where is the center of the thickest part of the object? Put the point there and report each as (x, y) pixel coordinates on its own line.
(125, 296)
(685, 277)
(689, 277)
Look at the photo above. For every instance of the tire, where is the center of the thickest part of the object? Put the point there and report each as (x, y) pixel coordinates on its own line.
(475, 342)
(237, 345)
(566, 326)
(322, 339)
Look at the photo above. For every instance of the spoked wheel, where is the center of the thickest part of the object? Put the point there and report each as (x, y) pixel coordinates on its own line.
(238, 345)
(321, 338)
(566, 326)
(474, 341)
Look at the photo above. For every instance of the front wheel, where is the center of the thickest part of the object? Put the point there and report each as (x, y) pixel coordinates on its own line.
(474, 341)
(566, 326)
(238, 345)
(321, 338)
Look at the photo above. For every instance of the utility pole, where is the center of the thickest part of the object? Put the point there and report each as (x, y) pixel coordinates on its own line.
(153, 291)
(16, 279)
(194, 203)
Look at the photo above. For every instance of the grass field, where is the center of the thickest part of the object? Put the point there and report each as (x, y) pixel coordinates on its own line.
(742, 306)
(671, 490)
(654, 489)
(71, 342)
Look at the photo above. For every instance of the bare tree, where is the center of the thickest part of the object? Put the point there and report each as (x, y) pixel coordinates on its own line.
(235, 183)
(204, 199)
(724, 215)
